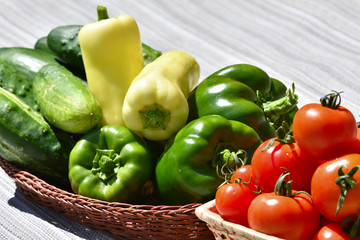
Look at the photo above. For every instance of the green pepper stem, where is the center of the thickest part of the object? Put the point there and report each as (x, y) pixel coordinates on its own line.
(275, 109)
(154, 117)
(102, 13)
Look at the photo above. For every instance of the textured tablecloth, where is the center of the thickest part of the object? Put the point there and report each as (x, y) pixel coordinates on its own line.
(315, 44)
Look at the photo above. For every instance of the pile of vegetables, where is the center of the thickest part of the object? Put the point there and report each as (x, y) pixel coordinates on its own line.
(303, 184)
(93, 109)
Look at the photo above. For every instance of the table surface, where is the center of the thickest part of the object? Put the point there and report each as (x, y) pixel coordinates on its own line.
(314, 44)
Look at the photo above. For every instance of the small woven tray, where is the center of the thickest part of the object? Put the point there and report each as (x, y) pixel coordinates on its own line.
(119, 220)
(226, 230)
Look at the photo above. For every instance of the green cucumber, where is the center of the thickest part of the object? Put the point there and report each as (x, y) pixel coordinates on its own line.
(63, 41)
(65, 101)
(12, 81)
(42, 45)
(29, 142)
(26, 61)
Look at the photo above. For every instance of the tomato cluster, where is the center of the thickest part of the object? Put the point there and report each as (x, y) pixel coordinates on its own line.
(303, 185)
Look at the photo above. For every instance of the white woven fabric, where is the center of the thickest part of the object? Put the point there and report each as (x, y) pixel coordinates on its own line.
(315, 44)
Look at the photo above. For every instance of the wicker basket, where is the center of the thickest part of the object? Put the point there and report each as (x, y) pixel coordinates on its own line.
(119, 220)
(226, 230)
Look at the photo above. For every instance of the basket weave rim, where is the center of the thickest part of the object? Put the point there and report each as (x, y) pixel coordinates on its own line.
(38, 185)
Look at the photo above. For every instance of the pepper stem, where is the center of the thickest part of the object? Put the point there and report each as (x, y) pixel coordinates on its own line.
(275, 109)
(345, 182)
(102, 13)
(106, 163)
(154, 117)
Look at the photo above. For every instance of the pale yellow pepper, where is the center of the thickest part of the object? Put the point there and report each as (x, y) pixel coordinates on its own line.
(112, 55)
(155, 105)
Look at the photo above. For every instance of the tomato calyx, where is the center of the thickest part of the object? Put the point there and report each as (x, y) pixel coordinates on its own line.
(284, 136)
(284, 187)
(345, 182)
(351, 226)
(231, 161)
(331, 100)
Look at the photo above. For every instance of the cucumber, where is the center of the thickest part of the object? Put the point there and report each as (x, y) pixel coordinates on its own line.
(28, 141)
(26, 61)
(63, 41)
(42, 45)
(12, 81)
(65, 101)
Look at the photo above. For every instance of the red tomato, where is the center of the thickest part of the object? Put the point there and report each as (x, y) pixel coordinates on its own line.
(232, 201)
(284, 217)
(356, 146)
(331, 231)
(324, 132)
(266, 166)
(325, 192)
(245, 173)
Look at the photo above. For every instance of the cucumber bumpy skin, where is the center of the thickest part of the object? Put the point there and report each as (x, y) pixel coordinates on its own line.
(28, 141)
(63, 41)
(12, 81)
(65, 101)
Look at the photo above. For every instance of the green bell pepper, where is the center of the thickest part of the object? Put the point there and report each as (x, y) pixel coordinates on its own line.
(187, 170)
(112, 164)
(244, 93)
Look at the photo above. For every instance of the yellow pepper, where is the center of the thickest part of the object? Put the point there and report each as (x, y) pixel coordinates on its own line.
(155, 105)
(112, 55)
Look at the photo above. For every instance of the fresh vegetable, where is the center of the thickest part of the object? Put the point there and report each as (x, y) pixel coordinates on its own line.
(356, 146)
(42, 45)
(242, 92)
(29, 142)
(26, 61)
(275, 154)
(284, 213)
(149, 53)
(335, 187)
(112, 56)
(112, 164)
(63, 41)
(186, 172)
(334, 231)
(244, 174)
(155, 105)
(232, 201)
(12, 81)
(324, 130)
(65, 101)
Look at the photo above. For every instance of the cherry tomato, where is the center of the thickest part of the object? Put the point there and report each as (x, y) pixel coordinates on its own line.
(268, 165)
(331, 231)
(326, 192)
(324, 132)
(232, 201)
(284, 217)
(245, 174)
